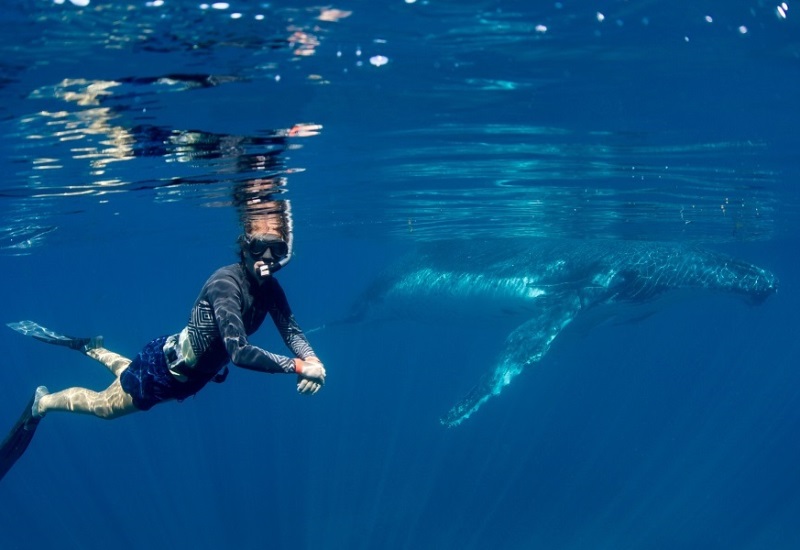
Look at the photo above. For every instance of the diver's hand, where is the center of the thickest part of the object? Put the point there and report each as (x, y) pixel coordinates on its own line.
(310, 375)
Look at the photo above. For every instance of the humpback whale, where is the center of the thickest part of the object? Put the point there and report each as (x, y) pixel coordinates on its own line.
(541, 286)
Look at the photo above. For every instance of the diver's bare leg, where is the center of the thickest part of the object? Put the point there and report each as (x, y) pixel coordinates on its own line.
(111, 403)
(115, 362)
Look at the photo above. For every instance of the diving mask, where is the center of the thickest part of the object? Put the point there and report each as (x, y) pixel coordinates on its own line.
(273, 251)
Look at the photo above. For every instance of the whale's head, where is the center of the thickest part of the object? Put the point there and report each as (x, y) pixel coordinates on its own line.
(754, 283)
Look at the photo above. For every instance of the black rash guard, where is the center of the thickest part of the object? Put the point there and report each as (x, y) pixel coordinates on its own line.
(231, 306)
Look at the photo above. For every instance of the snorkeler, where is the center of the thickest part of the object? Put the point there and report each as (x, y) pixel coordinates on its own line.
(232, 305)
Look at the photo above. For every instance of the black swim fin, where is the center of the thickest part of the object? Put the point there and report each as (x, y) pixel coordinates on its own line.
(35, 330)
(18, 439)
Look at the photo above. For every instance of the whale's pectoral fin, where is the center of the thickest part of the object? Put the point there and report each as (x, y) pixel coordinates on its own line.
(527, 344)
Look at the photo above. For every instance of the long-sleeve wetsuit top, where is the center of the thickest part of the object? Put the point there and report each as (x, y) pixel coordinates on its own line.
(231, 306)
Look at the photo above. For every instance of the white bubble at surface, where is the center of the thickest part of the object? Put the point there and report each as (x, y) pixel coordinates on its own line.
(378, 60)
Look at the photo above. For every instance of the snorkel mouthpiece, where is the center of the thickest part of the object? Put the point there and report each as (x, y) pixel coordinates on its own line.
(267, 270)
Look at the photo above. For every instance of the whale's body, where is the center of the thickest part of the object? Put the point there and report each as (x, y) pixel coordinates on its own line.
(542, 286)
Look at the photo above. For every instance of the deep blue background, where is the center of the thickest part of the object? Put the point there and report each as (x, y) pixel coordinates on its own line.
(676, 432)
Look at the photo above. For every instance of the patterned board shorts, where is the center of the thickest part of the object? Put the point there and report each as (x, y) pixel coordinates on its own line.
(149, 382)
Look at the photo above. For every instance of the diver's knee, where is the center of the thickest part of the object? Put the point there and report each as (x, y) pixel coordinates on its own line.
(115, 411)
(105, 414)
(111, 411)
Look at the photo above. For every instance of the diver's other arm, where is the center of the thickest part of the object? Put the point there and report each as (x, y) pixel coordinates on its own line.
(227, 302)
(287, 325)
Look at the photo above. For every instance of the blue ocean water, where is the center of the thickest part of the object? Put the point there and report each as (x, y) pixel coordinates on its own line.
(132, 132)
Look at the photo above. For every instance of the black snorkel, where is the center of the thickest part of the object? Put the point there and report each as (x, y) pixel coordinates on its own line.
(269, 269)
